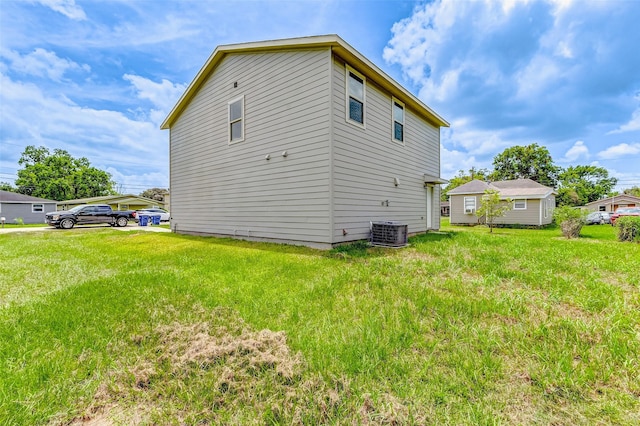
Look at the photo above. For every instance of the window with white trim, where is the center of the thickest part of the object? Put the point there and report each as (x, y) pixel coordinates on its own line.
(37, 208)
(519, 204)
(546, 207)
(469, 205)
(397, 125)
(355, 96)
(236, 120)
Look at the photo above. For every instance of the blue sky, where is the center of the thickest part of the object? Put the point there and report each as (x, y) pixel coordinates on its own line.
(97, 78)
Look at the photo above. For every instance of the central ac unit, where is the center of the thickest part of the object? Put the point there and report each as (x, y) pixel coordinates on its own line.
(389, 234)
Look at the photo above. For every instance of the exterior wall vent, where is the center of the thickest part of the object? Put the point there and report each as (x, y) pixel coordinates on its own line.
(389, 234)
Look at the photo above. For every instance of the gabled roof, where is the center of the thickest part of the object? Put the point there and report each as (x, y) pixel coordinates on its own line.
(522, 188)
(14, 197)
(333, 42)
(474, 187)
(618, 199)
(517, 188)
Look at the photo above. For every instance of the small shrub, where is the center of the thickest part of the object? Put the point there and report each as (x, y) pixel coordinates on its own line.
(570, 220)
(19, 221)
(628, 228)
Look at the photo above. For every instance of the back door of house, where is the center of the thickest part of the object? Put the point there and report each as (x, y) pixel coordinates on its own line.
(429, 215)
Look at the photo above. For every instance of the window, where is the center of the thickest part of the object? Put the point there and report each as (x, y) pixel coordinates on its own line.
(37, 208)
(519, 204)
(355, 96)
(469, 205)
(547, 202)
(602, 208)
(397, 108)
(236, 120)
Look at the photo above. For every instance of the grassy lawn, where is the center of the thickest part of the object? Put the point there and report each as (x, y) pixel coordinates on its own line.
(462, 327)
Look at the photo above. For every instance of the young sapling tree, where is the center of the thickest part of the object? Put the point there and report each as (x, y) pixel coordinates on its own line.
(492, 206)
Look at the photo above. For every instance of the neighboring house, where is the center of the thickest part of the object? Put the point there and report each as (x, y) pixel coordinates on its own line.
(532, 203)
(301, 141)
(445, 208)
(14, 206)
(611, 204)
(117, 202)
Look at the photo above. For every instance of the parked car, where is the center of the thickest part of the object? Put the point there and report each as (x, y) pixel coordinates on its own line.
(164, 215)
(624, 211)
(89, 214)
(598, 218)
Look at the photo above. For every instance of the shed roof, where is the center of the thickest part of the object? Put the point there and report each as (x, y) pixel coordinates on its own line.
(331, 41)
(14, 197)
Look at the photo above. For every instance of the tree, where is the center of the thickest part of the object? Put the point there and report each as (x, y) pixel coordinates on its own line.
(570, 220)
(155, 193)
(634, 190)
(580, 185)
(526, 162)
(461, 178)
(5, 186)
(59, 176)
(492, 207)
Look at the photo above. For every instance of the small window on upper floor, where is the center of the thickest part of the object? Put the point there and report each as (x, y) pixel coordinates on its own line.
(355, 96)
(236, 120)
(397, 129)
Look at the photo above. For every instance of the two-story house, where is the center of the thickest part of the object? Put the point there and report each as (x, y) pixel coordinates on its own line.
(301, 141)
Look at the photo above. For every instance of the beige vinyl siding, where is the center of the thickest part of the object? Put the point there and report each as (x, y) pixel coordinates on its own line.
(533, 215)
(366, 161)
(456, 210)
(231, 189)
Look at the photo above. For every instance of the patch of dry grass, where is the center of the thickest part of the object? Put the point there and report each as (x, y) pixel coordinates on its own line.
(237, 375)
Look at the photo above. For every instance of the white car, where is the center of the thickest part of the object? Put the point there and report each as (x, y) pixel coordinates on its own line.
(164, 215)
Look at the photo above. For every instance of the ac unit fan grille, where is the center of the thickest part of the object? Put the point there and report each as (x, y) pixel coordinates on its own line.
(390, 234)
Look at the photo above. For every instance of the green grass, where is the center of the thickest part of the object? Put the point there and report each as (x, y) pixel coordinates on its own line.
(462, 327)
(24, 225)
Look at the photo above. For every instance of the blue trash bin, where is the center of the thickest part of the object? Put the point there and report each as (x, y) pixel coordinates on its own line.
(143, 219)
(155, 219)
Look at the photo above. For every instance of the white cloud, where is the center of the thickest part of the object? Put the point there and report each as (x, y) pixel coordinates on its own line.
(551, 69)
(42, 63)
(631, 126)
(32, 116)
(476, 142)
(619, 151)
(578, 150)
(536, 77)
(162, 95)
(68, 8)
(453, 160)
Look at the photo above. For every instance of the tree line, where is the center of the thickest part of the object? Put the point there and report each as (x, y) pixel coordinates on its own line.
(575, 185)
(59, 176)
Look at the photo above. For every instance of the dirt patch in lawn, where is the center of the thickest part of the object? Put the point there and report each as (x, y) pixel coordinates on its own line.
(222, 372)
